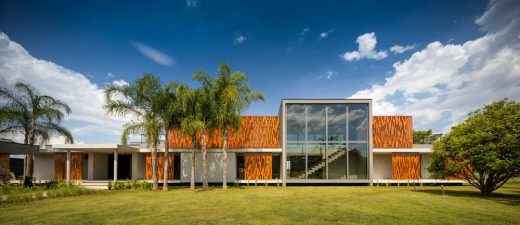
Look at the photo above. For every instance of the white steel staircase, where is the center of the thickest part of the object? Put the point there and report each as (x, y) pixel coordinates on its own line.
(321, 164)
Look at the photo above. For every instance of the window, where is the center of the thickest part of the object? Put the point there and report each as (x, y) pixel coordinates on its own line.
(327, 141)
(296, 161)
(240, 167)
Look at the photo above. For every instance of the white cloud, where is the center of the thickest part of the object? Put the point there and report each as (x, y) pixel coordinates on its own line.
(441, 83)
(154, 54)
(301, 35)
(329, 74)
(398, 49)
(239, 38)
(120, 83)
(61, 140)
(366, 49)
(326, 34)
(110, 75)
(85, 98)
(192, 3)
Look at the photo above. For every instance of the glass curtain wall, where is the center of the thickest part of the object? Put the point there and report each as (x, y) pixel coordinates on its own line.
(327, 141)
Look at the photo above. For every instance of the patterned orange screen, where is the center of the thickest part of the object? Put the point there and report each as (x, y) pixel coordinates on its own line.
(258, 166)
(160, 167)
(60, 164)
(406, 166)
(392, 131)
(255, 132)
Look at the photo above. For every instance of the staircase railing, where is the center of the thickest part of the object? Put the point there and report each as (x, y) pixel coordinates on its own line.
(320, 164)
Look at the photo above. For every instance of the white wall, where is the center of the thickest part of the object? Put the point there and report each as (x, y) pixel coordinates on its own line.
(97, 166)
(138, 166)
(382, 166)
(425, 163)
(44, 166)
(214, 167)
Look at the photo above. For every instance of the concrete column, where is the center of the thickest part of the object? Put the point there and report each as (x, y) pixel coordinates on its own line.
(115, 165)
(68, 167)
(90, 166)
(284, 153)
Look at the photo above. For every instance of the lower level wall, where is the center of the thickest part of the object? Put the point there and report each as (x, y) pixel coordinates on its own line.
(97, 166)
(4, 168)
(138, 166)
(214, 167)
(44, 166)
(401, 166)
(425, 163)
(382, 166)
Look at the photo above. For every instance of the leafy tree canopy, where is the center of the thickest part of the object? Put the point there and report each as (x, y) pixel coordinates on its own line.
(421, 136)
(484, 149)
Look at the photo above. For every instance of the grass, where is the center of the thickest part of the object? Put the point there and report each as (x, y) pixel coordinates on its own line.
(10, 194)
(275, 205)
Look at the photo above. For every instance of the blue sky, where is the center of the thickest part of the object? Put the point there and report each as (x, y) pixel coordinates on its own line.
(289, 49)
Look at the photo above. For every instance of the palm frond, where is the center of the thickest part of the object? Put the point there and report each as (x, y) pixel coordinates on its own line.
(133, 127)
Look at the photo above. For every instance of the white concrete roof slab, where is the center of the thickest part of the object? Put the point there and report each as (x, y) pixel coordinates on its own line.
(103, 148)
(401, 150)
(17, 148)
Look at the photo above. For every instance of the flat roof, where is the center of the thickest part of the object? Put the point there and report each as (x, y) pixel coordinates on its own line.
(402, 150)
(105, 148)
(326, 99)
(17, 148)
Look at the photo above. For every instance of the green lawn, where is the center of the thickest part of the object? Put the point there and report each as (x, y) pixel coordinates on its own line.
(275, 205)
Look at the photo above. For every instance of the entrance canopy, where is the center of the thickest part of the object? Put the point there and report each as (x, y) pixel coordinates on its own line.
(16, 148)
(97, 148)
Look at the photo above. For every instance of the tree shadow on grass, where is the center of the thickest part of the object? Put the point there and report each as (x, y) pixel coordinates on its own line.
(512, 199)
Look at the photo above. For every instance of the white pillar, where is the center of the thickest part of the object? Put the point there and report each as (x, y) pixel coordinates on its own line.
(115, 165)
(90, 166)
(68, 167)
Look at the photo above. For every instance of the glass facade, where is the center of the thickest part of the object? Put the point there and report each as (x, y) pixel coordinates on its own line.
(327, 141)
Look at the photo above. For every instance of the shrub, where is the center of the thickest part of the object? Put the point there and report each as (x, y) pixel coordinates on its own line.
(20, 194)
(123, 185)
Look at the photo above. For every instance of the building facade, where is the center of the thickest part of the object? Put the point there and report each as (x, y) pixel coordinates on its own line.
(310, 141)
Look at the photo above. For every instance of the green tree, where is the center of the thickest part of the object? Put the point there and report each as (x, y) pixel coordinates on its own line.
(36, 116)
(170, 113)
(484, 149)
(421, 136)
(190, 121)
(139, 101)
(233, 96)
(205, 117)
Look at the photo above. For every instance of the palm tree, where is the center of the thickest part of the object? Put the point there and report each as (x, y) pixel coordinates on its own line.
(190, 121)
(140, 101)
(35, 116)
(170, 113)
(205, 97)
(233, 96)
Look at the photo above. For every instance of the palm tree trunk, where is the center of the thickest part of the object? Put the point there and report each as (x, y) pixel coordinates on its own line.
(25, 141)
(165, 162)
(28, 166)
(192, 181)
(29, 158)
(224, 160)
(204, 162)
(155, 180)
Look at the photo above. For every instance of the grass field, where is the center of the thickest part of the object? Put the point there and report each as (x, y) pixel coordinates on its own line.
(275, 205)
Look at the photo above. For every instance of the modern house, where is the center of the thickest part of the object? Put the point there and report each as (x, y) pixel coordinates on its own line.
(310, 141)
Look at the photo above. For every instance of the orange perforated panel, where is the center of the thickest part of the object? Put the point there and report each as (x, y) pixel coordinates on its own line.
(258, 166)
(160, 169)
(392, 131)
(406, 166)
(255, 132)
(60, 166)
